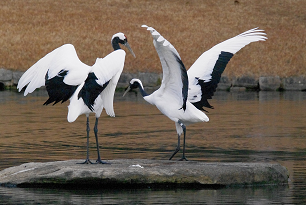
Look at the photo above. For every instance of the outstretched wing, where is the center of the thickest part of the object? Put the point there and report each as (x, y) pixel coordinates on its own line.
(108, 70)
(62, 63)
(204, 75)
(175, 79)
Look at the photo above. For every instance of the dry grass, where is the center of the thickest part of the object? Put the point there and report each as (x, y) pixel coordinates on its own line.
(30, 29)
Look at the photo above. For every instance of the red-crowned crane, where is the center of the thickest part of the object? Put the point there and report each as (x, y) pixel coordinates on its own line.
(182, 95)
(89, 88)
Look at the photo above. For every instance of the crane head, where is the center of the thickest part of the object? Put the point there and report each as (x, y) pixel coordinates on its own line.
(122, 39)
(134, 83)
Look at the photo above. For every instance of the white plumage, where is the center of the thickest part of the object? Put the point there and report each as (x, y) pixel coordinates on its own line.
(107, 69)
(89, 88)
(64, 57)
(182, 95)
(204, 65)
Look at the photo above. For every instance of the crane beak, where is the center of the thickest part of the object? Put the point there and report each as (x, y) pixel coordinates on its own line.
(126, 91)
(130, 49)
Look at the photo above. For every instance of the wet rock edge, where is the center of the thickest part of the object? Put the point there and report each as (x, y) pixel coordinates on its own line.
(156, 174)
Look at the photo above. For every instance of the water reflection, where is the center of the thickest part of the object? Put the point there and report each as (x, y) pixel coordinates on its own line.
(243, 127)
(263, 195)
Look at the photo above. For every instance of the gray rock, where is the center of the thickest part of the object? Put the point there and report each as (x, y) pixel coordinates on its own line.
(294, 83)
(269, 83)
(147, 79)
(245, 81)
(125, 78)
(16, 76)
(141, 172)
(6, 77)
(150, 79)
(224, 84)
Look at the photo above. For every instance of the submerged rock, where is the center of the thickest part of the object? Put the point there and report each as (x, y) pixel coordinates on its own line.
(138, 173)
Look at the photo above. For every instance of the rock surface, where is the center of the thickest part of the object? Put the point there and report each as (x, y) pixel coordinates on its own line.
(153, 80)
(294, 83)
(138, 173)
(147, 79)
(224, 84)
(269, 83)
(6, 76)
(246, 81)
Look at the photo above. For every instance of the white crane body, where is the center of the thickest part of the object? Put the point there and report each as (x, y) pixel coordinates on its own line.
(182, 95)
(89, 88)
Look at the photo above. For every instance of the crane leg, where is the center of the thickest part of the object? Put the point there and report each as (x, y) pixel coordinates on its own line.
(184, 130)
(87, 161)
(177, 148)
(98, 161)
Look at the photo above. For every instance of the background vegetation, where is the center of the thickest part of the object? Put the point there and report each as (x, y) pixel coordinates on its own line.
(30, 29)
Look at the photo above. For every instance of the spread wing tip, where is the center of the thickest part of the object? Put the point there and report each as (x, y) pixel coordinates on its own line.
(255, 32)
(159, 38)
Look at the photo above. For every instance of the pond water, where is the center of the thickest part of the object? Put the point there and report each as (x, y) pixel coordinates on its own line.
(243, 127)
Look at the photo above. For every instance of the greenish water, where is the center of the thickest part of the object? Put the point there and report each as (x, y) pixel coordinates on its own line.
(243, 127)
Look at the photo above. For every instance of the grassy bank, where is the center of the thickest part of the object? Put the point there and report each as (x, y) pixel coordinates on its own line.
(30, 29)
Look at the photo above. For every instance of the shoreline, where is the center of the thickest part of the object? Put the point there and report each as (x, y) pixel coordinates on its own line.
(9, 79)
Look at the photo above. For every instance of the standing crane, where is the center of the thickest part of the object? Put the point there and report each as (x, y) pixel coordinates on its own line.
(89, 88)
(182, 95)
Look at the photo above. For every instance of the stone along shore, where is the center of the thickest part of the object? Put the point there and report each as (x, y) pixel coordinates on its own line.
(9, 78)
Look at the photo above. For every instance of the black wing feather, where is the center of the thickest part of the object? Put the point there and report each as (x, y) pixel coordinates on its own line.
(91, 90)
(208, 88)
(184, 77)
(57, 89)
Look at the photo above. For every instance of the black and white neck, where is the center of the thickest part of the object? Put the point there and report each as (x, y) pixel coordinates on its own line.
(136, 83)
(118, 38)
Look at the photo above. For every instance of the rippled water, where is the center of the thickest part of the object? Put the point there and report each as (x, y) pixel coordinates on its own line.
(243, 127)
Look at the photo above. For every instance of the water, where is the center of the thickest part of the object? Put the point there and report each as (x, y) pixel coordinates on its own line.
(243, 127)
